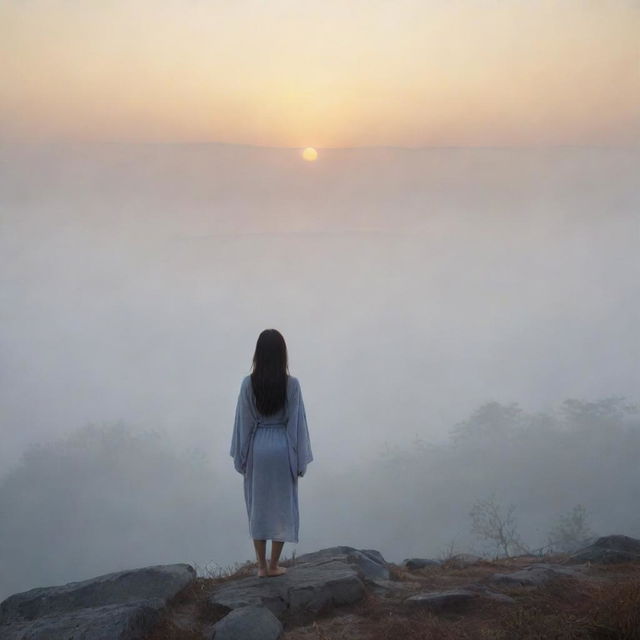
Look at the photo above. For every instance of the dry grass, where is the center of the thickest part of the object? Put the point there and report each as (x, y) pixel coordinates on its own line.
(565, 608)
(424, 626)
(220, 573)
(189, 610)
(616, 613)
(382, 619)
(605, 606)
(541, 614)
(554, 610)
(167, 630)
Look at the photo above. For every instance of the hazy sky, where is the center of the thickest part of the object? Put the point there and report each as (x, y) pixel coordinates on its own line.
(328, 74)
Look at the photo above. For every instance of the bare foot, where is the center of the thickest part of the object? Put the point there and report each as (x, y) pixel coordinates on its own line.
(262, 572)
(278, 571)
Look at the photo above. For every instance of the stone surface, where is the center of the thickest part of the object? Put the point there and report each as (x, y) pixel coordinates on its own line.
(441, 600)
(534, 575)
(367, 562)
(462, 560)
(499, 597)
(420, 563)
(387, 588)
(123, 605)
(248, 623)
(484, 591)
(608, 550)
(129, 621)
(304, 591)
(376, 556)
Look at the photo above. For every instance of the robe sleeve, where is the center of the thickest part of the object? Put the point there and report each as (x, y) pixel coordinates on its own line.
(304, 454)
(240, 431)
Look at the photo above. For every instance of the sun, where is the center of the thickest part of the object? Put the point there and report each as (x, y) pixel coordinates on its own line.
(310, 154)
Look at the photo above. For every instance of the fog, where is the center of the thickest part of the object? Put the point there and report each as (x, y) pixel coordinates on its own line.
(417, 290)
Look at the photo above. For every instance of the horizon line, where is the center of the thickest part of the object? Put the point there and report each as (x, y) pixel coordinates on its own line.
(300, 148)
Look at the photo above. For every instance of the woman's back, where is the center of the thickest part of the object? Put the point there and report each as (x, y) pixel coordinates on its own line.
(271, 493)
(282, 412)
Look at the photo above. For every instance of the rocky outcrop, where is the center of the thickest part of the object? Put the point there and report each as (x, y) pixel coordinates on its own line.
(457, 561)
(301, 592)
(124, 605)
(249, 623)
(412, 564)
(316, 583)
(368, 563)
(608, 550)
(455, 599)
(127, 605)
(484, 591)
(534, 575)
(441, 600)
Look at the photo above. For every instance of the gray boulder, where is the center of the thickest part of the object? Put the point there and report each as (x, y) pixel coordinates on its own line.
(248, 623)
(367, 562)
(123, 605)
(375, 555)
(608, 550)
(129, 621)
(535, 575)
(305, 590)
(441, 600)
(420, 563)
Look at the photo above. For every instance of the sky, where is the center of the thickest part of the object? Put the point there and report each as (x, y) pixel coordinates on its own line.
(324, 74)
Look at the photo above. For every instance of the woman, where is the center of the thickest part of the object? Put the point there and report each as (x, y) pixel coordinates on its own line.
(271, 448)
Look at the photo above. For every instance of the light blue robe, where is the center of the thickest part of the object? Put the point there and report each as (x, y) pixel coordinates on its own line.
(271, 452)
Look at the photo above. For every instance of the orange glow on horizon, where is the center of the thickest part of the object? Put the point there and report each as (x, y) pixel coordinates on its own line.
(399, 74)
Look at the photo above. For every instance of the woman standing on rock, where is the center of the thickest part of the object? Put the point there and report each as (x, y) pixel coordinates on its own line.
(271, 448)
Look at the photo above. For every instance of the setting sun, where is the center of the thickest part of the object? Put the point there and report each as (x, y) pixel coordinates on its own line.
(310, 154)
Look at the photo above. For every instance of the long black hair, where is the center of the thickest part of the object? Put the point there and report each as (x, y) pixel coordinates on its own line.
(270, 372)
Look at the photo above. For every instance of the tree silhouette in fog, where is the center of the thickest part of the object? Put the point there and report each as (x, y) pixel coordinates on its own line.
(104, 495)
